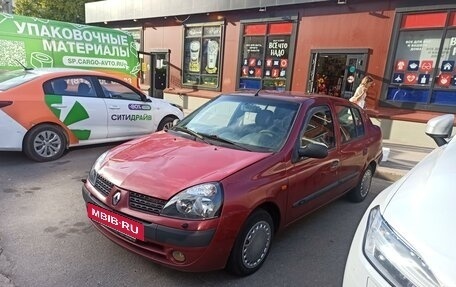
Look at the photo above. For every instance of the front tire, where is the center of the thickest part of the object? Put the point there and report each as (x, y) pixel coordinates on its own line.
(252, 245)
(166, 123)
(44, 143)
(360, 192)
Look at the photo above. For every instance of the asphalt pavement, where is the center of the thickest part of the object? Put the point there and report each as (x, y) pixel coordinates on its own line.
(398, 159)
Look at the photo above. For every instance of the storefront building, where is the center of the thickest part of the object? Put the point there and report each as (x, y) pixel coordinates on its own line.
(194, 50)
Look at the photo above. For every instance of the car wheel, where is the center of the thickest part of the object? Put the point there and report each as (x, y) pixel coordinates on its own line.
(252, 244)
(166, 123)
(44, 143)
(360, 192)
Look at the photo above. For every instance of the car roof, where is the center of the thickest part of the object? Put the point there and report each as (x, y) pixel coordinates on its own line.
(64, 71)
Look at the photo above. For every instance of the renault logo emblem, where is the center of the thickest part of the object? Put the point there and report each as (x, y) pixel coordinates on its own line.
(116, 198)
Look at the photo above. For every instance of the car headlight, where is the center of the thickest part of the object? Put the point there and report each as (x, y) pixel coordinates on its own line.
(197, 202)
(392, 257)
(95, 167)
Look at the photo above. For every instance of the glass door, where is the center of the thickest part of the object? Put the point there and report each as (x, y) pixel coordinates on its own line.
(336, 73)
(354, 72)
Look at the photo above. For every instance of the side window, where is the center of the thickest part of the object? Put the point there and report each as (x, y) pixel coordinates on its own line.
(351, 123)
(319, 128)
(70, 86)
(359, 125)
(116, 90)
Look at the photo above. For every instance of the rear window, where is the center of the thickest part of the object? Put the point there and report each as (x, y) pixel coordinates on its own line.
(13, 79)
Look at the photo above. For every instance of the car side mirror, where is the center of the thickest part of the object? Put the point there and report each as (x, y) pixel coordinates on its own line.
(313, 150)
(439, 128)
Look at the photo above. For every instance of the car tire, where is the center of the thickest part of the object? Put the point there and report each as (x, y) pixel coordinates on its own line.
(360, 192)
(252, 245)
(166, 123)
(45, 143)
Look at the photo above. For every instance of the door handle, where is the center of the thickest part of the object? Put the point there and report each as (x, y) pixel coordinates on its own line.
(114, 107)
(58, 106)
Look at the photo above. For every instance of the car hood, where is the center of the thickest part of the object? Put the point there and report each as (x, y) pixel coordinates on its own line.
(423, 211)
(162, 164)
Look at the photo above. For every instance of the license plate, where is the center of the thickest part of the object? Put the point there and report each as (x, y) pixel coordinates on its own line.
(115, 221)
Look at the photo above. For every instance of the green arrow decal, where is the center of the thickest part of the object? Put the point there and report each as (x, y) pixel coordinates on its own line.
(76, 114)
(81, 134)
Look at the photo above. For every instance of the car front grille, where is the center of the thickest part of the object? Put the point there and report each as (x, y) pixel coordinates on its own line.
(103, 185)
(146, 203)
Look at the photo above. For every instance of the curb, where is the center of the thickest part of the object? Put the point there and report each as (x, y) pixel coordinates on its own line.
(389, 174)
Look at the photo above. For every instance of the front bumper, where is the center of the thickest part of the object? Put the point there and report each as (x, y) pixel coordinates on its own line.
(163, 234)
(202, 251)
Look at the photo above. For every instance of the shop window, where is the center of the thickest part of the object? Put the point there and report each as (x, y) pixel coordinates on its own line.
(202, 55)
(424, 71)
(405, 94)
(265, 56)
(416, 57)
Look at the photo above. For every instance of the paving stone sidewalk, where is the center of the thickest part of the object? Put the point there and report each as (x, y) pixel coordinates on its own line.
(401, 159)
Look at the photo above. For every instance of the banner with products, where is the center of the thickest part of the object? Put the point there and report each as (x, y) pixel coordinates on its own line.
(42, 43)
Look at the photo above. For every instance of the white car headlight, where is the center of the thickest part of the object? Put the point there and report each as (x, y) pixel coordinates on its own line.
(197, 202)
(392, 257)
(95, 167)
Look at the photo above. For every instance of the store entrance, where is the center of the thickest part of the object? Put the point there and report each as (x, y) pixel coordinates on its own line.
(336, 72)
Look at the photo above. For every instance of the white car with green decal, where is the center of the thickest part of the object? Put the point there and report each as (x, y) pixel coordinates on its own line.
(45, 111)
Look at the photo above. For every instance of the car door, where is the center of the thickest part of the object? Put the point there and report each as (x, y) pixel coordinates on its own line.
(353, 147)
(129, 111)
(76, 103)
(312, 181)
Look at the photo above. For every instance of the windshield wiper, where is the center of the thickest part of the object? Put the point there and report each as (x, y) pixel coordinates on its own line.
(190, 132)
(224, 140)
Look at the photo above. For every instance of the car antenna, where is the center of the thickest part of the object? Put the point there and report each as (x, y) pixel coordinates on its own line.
(257, 93)
(25, 68)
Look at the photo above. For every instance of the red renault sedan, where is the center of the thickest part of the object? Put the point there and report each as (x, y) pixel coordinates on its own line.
(211, 192)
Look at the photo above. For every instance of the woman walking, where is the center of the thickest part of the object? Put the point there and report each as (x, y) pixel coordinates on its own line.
(359, 97)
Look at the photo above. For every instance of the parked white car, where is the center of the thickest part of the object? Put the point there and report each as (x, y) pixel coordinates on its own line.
(45, 111)
(407, 237)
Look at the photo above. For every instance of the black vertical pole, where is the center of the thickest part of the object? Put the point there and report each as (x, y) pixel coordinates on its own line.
(152, 75)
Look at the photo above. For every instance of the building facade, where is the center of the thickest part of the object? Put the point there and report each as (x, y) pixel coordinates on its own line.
(197, 49)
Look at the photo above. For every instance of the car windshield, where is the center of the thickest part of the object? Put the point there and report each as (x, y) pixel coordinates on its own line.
(15, 78)
(242, 122)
